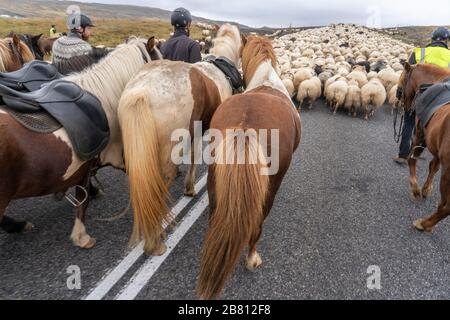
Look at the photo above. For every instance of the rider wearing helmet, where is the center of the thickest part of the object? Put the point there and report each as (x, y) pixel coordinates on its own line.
(72, 53)
(180, 47)
(436, 53)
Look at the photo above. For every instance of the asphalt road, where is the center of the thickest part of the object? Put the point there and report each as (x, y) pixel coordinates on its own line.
(343, 206)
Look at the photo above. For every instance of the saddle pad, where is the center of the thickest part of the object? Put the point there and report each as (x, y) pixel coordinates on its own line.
(39, 122)
(229, 70)
(431, 100)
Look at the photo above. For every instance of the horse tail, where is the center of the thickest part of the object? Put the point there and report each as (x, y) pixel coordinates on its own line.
(240, 191)
(148, 190)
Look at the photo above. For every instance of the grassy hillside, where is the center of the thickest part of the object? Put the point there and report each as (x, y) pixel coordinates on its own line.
(108, 32)
(419, 36)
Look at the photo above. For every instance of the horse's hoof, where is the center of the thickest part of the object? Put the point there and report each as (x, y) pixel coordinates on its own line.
(416, 193)
(96, 193)
(87, 242)
(28, 227)
(418, 224)
(190, 193)
(159, 251)
(426, 192)
(253, 262)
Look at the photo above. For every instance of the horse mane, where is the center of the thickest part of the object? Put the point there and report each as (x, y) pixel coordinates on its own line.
(227, 42)
(6, 56)
(107, 79)
(256, 50)
(440, 72)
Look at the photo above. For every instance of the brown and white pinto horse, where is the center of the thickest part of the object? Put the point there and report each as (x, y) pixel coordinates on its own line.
(240, 195)
(14, 53)
(34, 164)
(163, 97)
(437, 138)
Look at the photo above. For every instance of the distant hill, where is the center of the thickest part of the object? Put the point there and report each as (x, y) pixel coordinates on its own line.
(55, 8)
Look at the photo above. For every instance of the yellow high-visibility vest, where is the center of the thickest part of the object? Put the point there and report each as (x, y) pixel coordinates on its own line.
(52, 32)
(435, 55)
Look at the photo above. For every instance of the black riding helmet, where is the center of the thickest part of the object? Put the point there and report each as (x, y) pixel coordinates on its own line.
(180, 18)
(441, 34)
(76, 20)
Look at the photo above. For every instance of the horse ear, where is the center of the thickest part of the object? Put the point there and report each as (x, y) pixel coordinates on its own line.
(407, 67)
(151, 43)
(243, 39)
(16, 40)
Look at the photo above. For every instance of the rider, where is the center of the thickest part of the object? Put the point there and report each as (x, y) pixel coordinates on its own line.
(53, 31)
(72, 53)
(437, 53)
(180, 47)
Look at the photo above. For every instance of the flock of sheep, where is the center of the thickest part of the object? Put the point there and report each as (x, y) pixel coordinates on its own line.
(352, 67)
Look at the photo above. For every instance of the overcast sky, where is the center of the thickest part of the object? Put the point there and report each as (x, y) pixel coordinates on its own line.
(282, 13)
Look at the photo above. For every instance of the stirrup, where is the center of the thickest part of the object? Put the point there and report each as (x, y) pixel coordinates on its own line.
(73, 200)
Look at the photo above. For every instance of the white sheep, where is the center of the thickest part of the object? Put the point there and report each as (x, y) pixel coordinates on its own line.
(353, 99)
(311, 90)
(336, 94)
(372, 94)
(302, 75)
(289, 86)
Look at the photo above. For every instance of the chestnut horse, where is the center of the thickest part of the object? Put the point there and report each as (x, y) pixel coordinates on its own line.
(163, 97)
(437, 138)
(241, 195)
(14, 53)
(35, 164)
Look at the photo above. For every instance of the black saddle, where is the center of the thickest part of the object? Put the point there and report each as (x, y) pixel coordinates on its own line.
(31, 76)
(229, 70)
(431, 98)
(78, 111)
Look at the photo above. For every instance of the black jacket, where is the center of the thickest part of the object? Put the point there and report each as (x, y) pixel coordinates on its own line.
(181, 48)
(412, 58)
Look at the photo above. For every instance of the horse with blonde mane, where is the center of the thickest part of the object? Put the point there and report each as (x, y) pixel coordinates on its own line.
(14, 53)
(35, 164)
(162, 97)
(241, 194)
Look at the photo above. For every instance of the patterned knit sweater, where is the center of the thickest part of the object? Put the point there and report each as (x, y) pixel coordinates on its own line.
(73, 54)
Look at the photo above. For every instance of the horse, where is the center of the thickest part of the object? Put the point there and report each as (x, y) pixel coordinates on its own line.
(28, 171)
(162, 97)
(241, 195)
(13, 54)
(437, 138)
(39, 45)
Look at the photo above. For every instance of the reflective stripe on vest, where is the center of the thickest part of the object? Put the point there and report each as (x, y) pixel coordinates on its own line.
(433, 55)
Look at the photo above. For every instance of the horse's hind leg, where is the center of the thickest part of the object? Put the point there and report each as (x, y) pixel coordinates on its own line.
(10, 225)
(443, 209)
(79, 235)
(412, 163)
(433, 169)
(254, 259)
(189, 181)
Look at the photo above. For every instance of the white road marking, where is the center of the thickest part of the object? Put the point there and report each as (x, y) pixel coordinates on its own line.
(113, 276)
(146, 272)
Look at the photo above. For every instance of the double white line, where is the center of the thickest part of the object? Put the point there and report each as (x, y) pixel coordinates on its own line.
(148, 269)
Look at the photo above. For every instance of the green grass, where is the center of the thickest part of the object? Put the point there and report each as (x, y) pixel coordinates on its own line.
(108, 32)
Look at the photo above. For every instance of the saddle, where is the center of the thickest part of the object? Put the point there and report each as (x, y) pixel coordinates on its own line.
(431, 98)
(78, 111)
(31, 76)
(229, 70)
